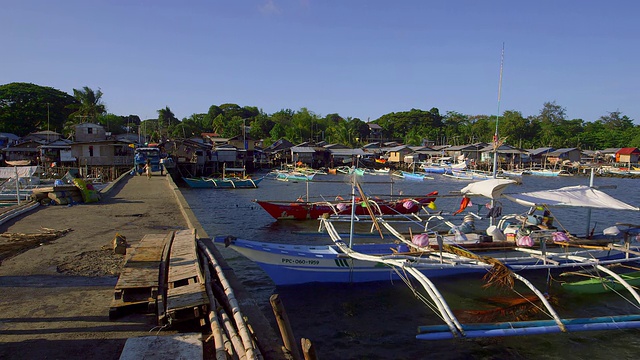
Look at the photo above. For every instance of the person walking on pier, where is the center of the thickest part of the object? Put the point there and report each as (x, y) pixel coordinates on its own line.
(147, 169)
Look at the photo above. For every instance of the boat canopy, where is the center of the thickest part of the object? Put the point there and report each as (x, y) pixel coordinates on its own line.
(571, 196)
(491, 188)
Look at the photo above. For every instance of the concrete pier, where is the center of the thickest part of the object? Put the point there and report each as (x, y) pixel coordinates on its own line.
(48, 312)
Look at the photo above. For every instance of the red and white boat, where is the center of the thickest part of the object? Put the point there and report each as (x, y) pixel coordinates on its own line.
(305, 210)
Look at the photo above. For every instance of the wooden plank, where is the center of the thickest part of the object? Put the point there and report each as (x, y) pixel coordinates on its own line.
(149, 248)
(162, 281)
(187, 296)
(184, 267)
(138, 277)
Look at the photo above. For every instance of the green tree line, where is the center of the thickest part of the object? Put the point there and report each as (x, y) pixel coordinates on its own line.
(26, 108)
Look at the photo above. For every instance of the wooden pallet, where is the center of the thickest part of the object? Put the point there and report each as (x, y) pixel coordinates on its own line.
(188, 302)
(186, 297)
(138, 283)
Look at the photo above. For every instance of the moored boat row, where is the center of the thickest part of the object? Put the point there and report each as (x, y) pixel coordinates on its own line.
(518, 245)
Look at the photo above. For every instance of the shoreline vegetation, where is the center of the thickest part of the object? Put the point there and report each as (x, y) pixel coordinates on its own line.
(30, 108)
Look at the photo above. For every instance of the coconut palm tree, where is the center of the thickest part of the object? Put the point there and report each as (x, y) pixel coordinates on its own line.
(89, 105)
(87, 109)
(166, 121)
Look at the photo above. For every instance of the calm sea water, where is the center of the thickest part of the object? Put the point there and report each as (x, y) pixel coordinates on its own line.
(380, 320)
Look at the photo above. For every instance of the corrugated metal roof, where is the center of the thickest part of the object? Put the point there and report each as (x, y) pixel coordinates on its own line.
(346, 152)
(398, 148)
(560, 151)
(539, 151)
(627, 151)
(302, 149)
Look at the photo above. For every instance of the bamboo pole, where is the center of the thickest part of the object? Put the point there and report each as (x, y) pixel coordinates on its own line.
(233, 334)
(285, 327)
(256, 345)
(229, 346)
(247, 341)
(308, 350)
(221, 354)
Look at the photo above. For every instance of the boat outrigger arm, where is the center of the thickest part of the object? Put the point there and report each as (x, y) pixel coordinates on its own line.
(447, 315)
(454, 329)
(517, 276)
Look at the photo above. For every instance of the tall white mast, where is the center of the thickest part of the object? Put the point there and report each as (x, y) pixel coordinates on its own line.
(495, 135)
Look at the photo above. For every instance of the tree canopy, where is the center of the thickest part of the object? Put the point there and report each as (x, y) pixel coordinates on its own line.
(23, 109)
(26, 108)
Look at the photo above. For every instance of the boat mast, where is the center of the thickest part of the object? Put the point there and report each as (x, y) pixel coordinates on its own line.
(495, 135)
(353, 208)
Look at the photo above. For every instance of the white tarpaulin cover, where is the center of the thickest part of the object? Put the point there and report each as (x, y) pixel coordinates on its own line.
(491, 188)
(23, 171)
(576, 196)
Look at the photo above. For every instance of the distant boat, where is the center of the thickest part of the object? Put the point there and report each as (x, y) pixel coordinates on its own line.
(468, 175)
(241, 181)
(549, 172)
(624, 171)
(459, 175)
(359, 171)
(384, 171)
(306, 210)
(293, 176)
(345, 169)
(435, 168)
(415, 176)
(222, 183)
(515, 173)
(442, 166)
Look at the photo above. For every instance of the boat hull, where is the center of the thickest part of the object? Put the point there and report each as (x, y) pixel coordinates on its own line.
(435, 170)
(293, 176)
(415, 176)
(298, 264)
(315, 210)
(548, 173)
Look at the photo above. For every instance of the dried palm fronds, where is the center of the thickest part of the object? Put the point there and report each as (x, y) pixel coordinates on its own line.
(45, 234)
(499, 274)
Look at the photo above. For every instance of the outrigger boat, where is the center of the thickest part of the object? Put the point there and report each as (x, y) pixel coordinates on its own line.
(291, 175)
(289, 264)
(552, 252)
(429, 254)
(222, 183)
(225, 182)
(307, 210)
(415, 176)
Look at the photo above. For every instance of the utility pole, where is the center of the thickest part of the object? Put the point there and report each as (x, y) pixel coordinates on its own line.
(244, 143)
(48, 123)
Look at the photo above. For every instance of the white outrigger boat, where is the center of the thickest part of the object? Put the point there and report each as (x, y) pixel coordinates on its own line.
(430, 254)
(551, 251)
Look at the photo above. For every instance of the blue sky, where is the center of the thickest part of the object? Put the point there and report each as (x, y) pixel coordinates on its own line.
(360, 59)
